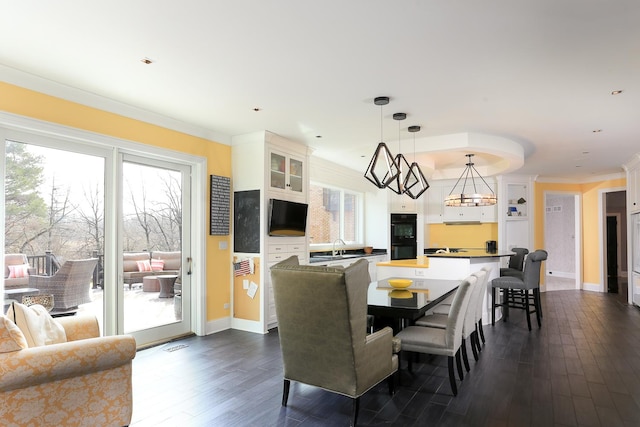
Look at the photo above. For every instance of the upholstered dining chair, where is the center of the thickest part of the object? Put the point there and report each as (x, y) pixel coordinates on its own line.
(528, 285)
(444, 342)
(70, 285)
(322, 325)
(469, 328)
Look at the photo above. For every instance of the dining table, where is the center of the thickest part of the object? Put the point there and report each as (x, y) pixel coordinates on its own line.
(404, 306)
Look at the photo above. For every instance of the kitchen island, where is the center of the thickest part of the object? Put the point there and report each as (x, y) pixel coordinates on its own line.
(448, 266)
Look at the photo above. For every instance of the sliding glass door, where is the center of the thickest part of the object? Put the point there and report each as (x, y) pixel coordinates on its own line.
(155, 245)
(67, 202)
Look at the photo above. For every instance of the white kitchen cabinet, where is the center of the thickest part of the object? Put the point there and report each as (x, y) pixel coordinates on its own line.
(434, 204)
(633, 186)
(278, 168)
(403, 204)
(462, 214)
(286, 173)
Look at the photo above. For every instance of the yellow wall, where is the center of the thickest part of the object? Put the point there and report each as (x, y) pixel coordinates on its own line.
(36, 105)
(461, 236)
(591, 240)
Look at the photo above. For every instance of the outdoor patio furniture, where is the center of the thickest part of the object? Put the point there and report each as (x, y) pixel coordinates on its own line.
(70, 285)
(150, 284)
(159, 263)
(16, 271)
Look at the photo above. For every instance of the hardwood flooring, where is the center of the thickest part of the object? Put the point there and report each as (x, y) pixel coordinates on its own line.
(582, 368)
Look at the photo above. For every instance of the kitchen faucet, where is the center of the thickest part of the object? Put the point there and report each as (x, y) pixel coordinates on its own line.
(333, 251)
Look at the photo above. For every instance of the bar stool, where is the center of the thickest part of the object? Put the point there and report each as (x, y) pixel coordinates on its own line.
(529, 282)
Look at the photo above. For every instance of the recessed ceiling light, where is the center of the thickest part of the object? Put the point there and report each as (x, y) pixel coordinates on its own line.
(146, 61)
(597, 130)
(616, 92)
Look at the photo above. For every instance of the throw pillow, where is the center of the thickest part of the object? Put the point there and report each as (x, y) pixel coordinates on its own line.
(157, 264)
(18, 271)
(144, 265)
(11, 338)
(37, 325)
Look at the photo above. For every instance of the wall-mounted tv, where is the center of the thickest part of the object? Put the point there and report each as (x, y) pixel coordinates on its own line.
(287, 218)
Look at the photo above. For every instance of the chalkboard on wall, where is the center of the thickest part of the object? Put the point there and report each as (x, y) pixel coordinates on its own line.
(246, 221)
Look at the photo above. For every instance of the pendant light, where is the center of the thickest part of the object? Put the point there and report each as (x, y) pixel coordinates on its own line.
(398, 185)
(414, 182)
(476, 198)
(382, 170)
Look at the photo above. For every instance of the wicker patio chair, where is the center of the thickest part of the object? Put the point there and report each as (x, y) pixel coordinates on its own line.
(70, 285)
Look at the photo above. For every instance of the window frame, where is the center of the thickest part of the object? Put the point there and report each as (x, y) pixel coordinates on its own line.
(359, 217)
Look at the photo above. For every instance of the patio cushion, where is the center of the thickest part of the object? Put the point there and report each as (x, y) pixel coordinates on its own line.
(37, 325)
(144, 265)
(18, 271)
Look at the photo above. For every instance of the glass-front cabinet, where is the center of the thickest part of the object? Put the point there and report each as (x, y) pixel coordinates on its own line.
(286, 172)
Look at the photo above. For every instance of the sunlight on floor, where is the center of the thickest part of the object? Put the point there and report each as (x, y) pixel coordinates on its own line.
(143, 310)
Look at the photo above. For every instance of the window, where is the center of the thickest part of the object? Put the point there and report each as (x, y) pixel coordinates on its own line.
(334, 213)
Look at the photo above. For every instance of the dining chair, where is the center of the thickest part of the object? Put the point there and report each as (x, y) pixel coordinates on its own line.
(530, 282)
(479, 335)
(444, 342)
(322, 325)
(469, 329)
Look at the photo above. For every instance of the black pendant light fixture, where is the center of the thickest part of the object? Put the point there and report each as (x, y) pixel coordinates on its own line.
(398, 185)
(382, 170)
(414, 182)
(476, 198)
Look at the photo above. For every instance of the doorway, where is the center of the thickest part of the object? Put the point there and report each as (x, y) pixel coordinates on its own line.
(562, 241)
(614, 252)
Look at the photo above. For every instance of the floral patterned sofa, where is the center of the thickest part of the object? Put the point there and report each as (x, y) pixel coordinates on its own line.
(85, 381)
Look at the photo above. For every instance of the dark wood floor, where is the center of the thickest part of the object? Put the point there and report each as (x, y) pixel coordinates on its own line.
(581, 369)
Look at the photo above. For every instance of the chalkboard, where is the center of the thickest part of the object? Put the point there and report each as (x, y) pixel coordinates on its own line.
(246, 221)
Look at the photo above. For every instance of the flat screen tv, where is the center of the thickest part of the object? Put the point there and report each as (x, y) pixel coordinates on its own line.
(287, 218)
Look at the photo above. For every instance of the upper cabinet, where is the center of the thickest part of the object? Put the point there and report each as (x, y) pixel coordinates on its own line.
(403, 203)
(633, 189)
(434, 204)
(286, 173)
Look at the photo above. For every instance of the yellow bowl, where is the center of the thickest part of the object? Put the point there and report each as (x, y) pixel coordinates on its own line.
(400, 283)
(400, 294)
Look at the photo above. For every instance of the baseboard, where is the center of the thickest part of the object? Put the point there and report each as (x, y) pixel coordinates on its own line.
(594, 287)
(218, 325)
(561, 274)
(247, 325)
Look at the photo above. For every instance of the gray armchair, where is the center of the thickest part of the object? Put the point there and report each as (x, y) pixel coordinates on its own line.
(70, 285)
(322, 319)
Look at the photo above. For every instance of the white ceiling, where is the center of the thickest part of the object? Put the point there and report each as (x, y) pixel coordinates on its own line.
(535, 73)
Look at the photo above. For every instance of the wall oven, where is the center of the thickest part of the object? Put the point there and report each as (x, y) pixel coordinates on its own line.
(403, 236)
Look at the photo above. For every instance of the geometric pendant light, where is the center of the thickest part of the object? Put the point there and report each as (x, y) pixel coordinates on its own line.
(397, 186)
(414, 182)
(382, 169)
(476, 198)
